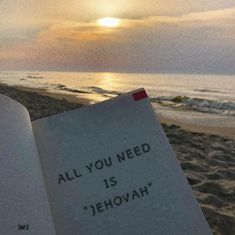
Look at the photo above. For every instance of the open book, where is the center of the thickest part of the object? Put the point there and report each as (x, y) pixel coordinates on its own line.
(102, 169)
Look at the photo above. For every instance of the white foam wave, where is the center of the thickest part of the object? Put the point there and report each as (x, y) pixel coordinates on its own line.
(197, 104)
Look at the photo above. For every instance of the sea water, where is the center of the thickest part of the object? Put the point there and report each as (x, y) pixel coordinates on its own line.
(204, 93)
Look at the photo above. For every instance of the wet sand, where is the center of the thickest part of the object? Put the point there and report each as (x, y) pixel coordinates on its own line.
(194, 121)
(207, 160)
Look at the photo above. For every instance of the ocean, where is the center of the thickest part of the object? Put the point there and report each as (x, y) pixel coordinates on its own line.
(201, 93)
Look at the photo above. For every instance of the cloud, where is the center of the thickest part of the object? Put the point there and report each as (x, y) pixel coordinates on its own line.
(191, 42)
(90, 31)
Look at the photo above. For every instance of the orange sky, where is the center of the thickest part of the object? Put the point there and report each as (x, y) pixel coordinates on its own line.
(183, 36)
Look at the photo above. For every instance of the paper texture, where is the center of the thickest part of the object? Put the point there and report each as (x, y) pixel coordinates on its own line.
(109, 169)
(24, 207)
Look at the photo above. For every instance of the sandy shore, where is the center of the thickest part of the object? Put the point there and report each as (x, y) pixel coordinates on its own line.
(37, 105)
(194, 121)
(208, 160)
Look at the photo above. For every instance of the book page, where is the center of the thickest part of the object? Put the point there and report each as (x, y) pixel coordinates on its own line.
(109, 169)
(24, 206)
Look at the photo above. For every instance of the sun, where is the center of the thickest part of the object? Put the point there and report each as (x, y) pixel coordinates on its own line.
(109, 22)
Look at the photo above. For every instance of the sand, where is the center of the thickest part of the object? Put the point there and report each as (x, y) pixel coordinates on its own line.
(207, 160)
(38, 105)
(194, 121)
(209, 164)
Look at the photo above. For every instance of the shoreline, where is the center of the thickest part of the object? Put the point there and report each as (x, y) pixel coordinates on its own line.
(207, 160)
(38, 105)
(69, 97)
(165, 115)
(224, 132)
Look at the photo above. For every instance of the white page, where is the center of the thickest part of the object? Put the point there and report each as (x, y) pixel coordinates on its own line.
(145, 194)
(24, 206)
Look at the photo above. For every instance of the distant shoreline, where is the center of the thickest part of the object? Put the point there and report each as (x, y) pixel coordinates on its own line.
(70, 98)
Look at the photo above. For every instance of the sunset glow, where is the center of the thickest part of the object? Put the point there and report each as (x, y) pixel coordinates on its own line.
(108, 22)
(123, 36)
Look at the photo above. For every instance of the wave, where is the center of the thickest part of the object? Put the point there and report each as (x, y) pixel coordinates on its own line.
(208, 91)
(197, 104)
(182, 102)
(34, 77)
(65, 88)
(103, 91)
(177, 102)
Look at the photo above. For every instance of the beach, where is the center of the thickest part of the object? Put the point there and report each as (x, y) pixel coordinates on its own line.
(208, 159)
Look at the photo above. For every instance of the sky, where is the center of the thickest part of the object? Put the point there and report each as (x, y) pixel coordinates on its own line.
(160, 36)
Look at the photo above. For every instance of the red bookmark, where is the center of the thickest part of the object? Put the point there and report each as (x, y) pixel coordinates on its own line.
(139, 95)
